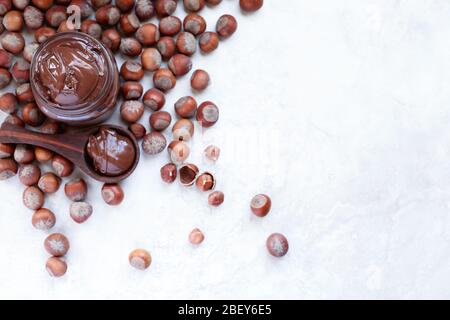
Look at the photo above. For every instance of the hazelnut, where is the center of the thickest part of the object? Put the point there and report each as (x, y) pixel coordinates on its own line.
(13, 21)
(8, 168)
(194, 24)
(193, 5)
(107, 15)
(216, 198)
(164, 79)
(166, 46)
(140, 259)
(165, 7)
(260, 205)
(170, 26)
(160, 120)
(23, 154)
(130, 47)
(153, 143)
(56, 267)
(205, 182)
(31, 115)
(199, 80)
(251, 5)
(13, 42)
(185, 107)
(43, 219)
(33, 17)
(29, 174)
(76, 190)
(85, 8)
(8, 102)
(49, 182)
(178, 151)
(24, 93)
(196, 236)
(226, 26)
(186, 43)
(112, 194)
(208, 42)
(62, 166)
(5, 78)
(212, 153)
(55, 16)
(147, 34)
(183, 130)
(100, 3)
(188, 174)
(131, 90)
(6, 150)
(151, 59)
(6, 58)
(125, 5)
(92, 28)
(277, 245)
(5, 6)
(50, 128)
(43, 33)
(180, 64)
(169, 173)
(131, 71)
(213, 2)
(42, 4)
(131, 110)
(42, 155)
(111, 39)
(20, 71)
(144, 9)
(33, 198)
(80, 211)
(138, 130)
(154, 99)
(129, 23)
(56, 244)
(14, 120)
(207, 114)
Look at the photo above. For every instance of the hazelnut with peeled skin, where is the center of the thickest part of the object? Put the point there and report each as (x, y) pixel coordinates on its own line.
(178, 151)
(169, 173)
(183, 130)
(205, 182)
(212, 153)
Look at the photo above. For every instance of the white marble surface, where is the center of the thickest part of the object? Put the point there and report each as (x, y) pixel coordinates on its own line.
(339, 110)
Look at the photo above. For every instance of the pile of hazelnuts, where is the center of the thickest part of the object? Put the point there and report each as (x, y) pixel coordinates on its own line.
(164, 50)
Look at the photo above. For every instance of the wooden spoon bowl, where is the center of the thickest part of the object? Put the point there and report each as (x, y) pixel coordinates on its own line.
(71, 145)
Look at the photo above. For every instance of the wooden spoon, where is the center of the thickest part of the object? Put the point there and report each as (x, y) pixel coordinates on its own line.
(69, 145)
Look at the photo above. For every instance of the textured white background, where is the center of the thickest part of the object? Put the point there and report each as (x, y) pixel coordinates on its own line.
(337, 109)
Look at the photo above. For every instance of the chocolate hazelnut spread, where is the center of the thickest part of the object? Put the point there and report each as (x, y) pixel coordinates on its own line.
(112, 154)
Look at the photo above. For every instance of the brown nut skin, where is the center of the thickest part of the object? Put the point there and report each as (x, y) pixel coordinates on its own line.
(154, 99)
(129, 23)
(144, 9)
(169, 173)
(131, 90)
(62, 166)
(140, 259)
(31, 115)
(251, 5)
(85, 8)
(55, 15)
(148, 34)
(164, 80)
(43, 33)
(138, 130)
(226, 26)
(5, 78)
(42, 4)
(194, 24)
(196, 236)
(188, 173)
(212, 153)
(24, 93)
(29, 50)
(49, 182)
(6, 59)
(13, 42)
(166, 46)
(131, 110)
(111, 39)
(213, 2)
(29, 174)
(205, 182)
(180, 65)
(160, 120)
(14, 120)
(56, 267)
(33, 17)
(112, 194)
(131, 71)
(76, 190)
(8, 103)
(186, 43)
(8, 168)
(208, 42)
(50, 128)
(20, 71)
(100, 3)
(151, 59)
(178, 151)
(260, 205)
(43, 219)
(92, 28)
(154, 143)
(108, 15)
(165, 8)
(185, 107)
(193, 5)
(57, 244)
(125, 5)
(200, 80)
(207, 114)
(277, 245)
(23, 154)
(42, 155)
(170, 26)
(216, 198)
(80, 211)
(183, 130)
(33, 198)
(130, 47)
(6, 150)
(13, 20)
(5, 6)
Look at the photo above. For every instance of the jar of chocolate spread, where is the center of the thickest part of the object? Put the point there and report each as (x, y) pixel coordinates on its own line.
(74, 79)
